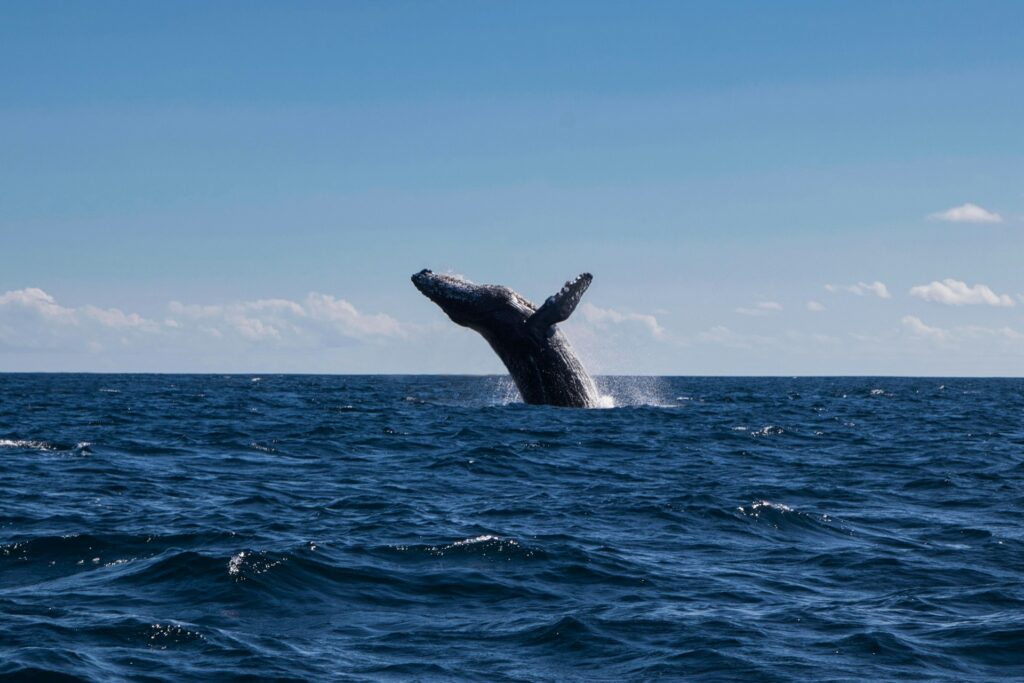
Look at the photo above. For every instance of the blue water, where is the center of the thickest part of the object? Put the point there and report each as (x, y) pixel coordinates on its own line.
(160, 527)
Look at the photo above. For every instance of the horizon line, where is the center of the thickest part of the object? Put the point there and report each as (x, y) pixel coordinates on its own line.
(498, 375)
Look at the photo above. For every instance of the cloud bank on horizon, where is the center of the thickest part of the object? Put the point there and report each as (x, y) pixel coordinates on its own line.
(790, 190)
(226, 335)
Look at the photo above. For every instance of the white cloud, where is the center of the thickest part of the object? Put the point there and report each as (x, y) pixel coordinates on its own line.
(319, 317)
(116, 319)
(602, 317)
(815, 306)
(863, 288)
(32, 319)
(956, 293)
(967, 213)
(761, 308)
(344, 317)
(36, 302)
(916, 327)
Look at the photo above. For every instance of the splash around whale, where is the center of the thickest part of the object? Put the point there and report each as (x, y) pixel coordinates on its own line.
(526, 338)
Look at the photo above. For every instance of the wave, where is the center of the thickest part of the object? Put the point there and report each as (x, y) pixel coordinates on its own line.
(326, 528)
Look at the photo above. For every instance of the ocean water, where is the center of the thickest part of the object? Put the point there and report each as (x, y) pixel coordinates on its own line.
(172, 527)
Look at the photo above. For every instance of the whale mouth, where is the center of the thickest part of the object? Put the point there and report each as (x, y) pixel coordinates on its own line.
(425, 281)
(422, 279)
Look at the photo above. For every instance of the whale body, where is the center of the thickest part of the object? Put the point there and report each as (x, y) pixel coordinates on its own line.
(526, 338)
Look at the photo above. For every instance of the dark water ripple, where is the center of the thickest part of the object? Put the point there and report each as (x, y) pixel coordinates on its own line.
(370, 528)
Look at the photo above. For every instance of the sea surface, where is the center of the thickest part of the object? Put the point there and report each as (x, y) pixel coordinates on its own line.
(218, 528)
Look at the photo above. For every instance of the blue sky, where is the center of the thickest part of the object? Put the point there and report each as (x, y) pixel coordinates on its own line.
(247, 187)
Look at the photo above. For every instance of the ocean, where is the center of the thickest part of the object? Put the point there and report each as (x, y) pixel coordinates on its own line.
(364, 528)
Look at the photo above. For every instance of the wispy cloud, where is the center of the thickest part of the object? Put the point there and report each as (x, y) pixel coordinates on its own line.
(862, 289)
(967, 213)
(721, 335)
(956, 293)
(915, 326)
(964, 333)
(603, 317)
(761, 308)
(815, 306)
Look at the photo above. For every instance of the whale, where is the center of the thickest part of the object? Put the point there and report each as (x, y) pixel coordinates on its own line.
(526, 338)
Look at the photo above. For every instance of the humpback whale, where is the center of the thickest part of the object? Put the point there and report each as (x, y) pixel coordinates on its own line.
(526, 338)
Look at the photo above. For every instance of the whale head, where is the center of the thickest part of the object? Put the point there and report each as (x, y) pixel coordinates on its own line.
(472, 305)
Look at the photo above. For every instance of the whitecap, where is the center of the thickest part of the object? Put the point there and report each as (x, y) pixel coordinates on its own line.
(27, 443)
(489, 541)
(768, 430)
(478, 539)
(759, 506)
(235, 563)
(257, 563)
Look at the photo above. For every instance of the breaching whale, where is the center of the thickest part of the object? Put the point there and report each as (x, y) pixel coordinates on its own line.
(526, 338)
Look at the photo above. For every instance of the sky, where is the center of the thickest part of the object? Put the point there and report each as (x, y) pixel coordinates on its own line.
(791, 188)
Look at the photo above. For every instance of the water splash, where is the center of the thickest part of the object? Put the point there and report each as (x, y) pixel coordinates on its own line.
(633, 391)
(612, 392)
(505, 392)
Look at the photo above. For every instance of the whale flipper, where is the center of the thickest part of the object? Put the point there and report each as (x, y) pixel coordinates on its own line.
(560, 305)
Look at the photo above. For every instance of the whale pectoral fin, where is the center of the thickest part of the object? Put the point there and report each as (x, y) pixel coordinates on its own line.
(560, 305)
